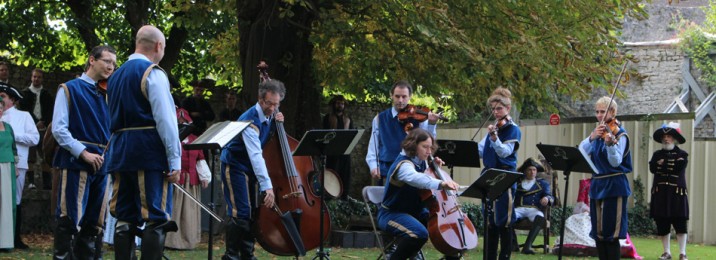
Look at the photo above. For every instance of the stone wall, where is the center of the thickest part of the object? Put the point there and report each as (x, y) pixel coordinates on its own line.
(655, 80)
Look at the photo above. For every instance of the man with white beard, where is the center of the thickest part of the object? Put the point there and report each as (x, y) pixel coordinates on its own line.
(669, 200)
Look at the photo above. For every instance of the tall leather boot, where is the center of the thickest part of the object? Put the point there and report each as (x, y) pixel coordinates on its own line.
(98, 243)
(515, 244)
(153, 239)
(232, 240)
(493, 242)
(536, 227)
(85, 244)
(601, 249)
(407, 248)
(18, 228)
(64, 234)
(124, 242)
(246, 239)
(613, 249)
(505, 243)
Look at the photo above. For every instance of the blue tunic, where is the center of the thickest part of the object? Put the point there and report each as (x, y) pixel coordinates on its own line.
(503, 215)
(129, 108)
(88, 123)
(604, 186)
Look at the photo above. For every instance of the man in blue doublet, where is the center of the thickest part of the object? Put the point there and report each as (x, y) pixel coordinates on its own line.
(81, 128)
(144, 152)
(387, 131)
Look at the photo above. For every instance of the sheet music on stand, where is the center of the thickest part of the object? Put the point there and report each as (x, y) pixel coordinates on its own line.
(218, 135)
(585, 154)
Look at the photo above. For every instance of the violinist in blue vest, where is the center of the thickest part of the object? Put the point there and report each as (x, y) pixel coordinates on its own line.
(532, 196)
(402, 212)
(243, 166)
(144, 152)
(499, 151)
(81, 128)
(388, 131)
(608, 148)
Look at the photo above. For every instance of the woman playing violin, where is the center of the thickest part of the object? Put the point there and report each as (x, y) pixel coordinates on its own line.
(403, 213)
(499, 150)
(388, 131)
(608, 148)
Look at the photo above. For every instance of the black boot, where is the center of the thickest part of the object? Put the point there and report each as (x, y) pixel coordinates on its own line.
(601, 249)
(18, 227)
(407, 248)
(493, 242)
(613, 249)
(232, 240)
(85, 246)
(505, 243)
(124, 242)
(536, 227)
(246, 239)
(64, 234)
(153, 239)
(515, 244)
(98, 243)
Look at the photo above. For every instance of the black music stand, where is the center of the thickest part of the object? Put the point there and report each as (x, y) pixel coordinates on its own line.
(566, 159)
(322, 143)
(490, 185)
(458, 153)
(215, 138)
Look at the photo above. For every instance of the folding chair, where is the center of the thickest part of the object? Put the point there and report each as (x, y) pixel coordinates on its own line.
(374, 195)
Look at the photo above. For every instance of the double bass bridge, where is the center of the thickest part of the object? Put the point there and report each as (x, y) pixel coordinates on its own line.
(294, 194)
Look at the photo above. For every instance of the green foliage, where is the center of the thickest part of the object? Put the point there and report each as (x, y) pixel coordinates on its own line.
(454, 52)
(640, 224)
(556, 218)
(342, 210)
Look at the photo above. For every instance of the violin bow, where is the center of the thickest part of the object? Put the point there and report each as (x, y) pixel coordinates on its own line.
(616, 85)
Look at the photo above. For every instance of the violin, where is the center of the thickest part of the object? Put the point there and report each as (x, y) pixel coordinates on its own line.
(416, 113)
(612, 126)
(102, 86)
(499, 123)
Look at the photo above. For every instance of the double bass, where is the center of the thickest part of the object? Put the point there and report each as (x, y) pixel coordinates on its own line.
(294, 203)
(450, 230)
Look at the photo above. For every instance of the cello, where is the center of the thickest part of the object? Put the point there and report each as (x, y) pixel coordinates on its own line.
(294, 203)
(450, 230)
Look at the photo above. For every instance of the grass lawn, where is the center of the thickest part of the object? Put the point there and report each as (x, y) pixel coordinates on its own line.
(649, 248)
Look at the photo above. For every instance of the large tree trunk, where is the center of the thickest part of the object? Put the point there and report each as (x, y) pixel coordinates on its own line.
(285, 47)
(82, 9)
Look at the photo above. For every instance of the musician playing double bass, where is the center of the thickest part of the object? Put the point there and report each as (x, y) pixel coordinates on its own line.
(243, 165)
(388, 131)
(608, 148)
(402, 212)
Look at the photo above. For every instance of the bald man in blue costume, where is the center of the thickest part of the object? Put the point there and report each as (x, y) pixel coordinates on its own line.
(610, 189)
(81, 128)
(144, 153)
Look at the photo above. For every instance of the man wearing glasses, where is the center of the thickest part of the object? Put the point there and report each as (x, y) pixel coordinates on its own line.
(81, 128)
(242, 165)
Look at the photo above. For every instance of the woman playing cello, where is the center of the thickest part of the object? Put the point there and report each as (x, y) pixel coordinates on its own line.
(499, 150)
(403, 213)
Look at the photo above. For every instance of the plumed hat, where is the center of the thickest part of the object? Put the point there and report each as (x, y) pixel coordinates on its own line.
(10, 90)
(672, 129)
(531, 162)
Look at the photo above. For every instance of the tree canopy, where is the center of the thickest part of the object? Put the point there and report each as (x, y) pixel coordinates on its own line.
(455, 52)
